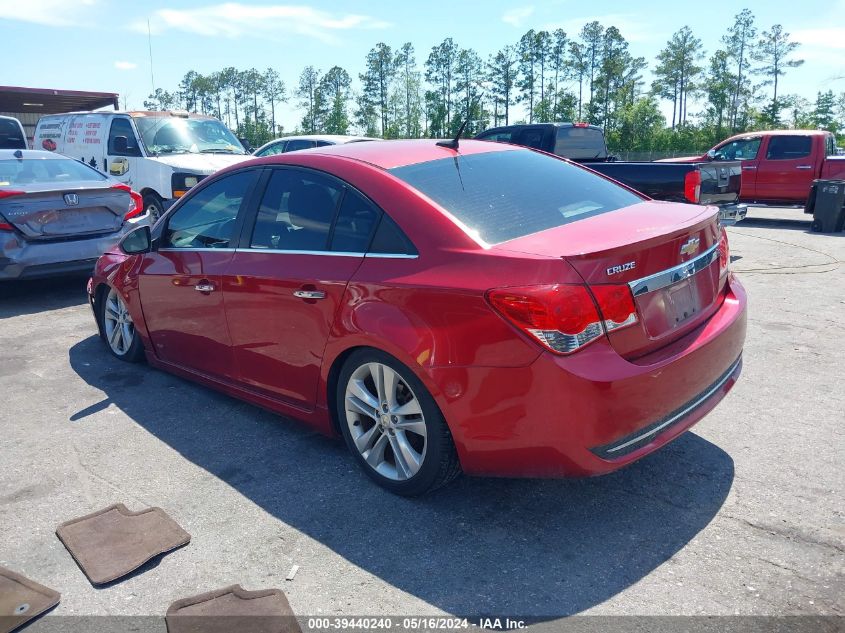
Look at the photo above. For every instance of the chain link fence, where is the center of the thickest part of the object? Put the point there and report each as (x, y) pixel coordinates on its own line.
(648, 156)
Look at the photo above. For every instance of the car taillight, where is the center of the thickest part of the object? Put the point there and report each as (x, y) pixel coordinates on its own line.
(724, 253)
(564, 318)
(136, 201)
(8, 193)
(692, 186)
(5, 226)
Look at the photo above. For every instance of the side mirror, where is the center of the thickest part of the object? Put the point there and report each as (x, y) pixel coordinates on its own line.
(711, 154)
(138, 241)
(121, 144)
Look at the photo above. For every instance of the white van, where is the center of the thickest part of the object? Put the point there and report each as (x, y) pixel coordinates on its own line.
(159, 154)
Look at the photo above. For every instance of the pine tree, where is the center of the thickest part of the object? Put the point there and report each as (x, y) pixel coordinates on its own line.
(773, 53)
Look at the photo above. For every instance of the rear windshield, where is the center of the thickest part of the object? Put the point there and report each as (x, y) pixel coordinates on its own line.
(10, 135)
(36, 171)
(501, 196)
(580, 143)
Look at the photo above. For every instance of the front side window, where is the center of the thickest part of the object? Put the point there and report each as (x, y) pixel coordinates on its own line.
(789, 147)
(11, 136)
(740, 149)
(36, 171)
(208, 218)
(296, 212)
(123, 127)
(272, 149)
(501, 196)
(501, 136)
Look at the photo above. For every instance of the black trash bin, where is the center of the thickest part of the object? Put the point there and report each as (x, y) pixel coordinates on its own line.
(829, 207)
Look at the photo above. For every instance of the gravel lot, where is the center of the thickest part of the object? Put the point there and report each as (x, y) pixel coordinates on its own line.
(743, 515)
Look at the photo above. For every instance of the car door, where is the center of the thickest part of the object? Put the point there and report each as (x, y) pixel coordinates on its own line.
(286, 282)
(122, 151)
(786, 171)
(181, 282)
(746, 150)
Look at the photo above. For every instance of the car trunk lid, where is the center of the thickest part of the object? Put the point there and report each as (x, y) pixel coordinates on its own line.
(666, 253)
(42, 213)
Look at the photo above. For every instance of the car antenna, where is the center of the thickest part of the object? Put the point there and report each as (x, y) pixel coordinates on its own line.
(453, 143)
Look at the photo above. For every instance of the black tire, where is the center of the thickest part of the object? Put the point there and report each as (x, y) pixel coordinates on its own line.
(154, 206)
(440, 463)
(135, 351)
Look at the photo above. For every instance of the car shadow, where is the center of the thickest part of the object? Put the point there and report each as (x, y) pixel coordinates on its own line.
(792, 224)
(29, 296)
(538, 548)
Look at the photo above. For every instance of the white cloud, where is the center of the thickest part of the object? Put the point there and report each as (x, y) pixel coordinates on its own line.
(516, 17)
(234, 20)
(125, 65)
(47, 12)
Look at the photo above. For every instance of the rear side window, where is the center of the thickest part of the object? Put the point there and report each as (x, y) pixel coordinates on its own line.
(292, 146)
(580, 143)
(355, 224)
(788, 147)
(10, 135)
(390, 240)
(501, 136)
(504, 195)
(296, 212)
(532, 137)
(209, 217)
(34, 171)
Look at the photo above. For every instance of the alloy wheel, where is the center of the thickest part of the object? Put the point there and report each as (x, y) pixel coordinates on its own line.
(117, 322)
(386, 421)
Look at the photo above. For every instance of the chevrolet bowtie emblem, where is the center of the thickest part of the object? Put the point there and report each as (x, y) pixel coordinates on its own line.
(690, 247)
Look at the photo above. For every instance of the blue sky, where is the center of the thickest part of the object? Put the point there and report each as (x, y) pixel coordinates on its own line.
(103, 45)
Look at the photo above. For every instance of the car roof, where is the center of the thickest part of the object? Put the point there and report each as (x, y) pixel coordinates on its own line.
(390, 154)
(778, 133)
(29, 154)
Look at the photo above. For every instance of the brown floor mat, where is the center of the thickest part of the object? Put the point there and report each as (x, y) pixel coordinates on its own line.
(114, 541)
(21, 599)
(233, 609)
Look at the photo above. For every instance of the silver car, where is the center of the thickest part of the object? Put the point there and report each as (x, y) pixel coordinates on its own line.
(58, 215)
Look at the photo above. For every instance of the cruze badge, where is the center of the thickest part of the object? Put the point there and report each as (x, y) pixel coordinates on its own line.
(621, 268)
(71, 199)
(690, 247)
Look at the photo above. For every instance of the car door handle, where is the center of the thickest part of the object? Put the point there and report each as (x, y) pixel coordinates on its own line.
(804, 167)
(205, 286)
(309, 294)
(749, 167)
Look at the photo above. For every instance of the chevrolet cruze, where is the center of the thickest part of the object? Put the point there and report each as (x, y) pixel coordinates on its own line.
(479, 308)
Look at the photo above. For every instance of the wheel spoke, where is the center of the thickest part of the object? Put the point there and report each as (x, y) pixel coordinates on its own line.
(126, 335)
(361, 407)
(377, 372)
(115, 335)
(405, 456)
(366, 440)
(360, 391)
(112, 311)
(375, 456)
(391, 382)
(412, 426)
(412, 407)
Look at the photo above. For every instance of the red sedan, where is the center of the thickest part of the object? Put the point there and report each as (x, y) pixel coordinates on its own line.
(486, 309)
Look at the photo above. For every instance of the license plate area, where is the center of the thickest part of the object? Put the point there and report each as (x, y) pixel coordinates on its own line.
(665, 310)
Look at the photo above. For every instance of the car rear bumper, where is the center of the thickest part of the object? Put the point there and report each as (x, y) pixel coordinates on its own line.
(21, 259)
(730, 214)
(592, 412)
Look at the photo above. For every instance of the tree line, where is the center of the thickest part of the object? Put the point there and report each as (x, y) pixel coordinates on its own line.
(554, 76)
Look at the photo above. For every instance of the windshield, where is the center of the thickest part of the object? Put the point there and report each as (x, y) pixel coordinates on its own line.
(18, 172)
(501, 196)
(11, 136)
(175, 135)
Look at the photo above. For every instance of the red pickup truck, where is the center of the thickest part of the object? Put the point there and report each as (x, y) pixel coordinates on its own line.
(778, 166)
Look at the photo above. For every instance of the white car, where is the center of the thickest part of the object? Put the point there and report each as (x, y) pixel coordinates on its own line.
(307, 141)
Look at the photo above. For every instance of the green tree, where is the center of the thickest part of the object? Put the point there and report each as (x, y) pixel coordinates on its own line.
(677, 72)
(558, 63)
(528, 79)
(579, 69)
(334, 90)
(469, 76)
(823, 115)
(309, 98)
(773, 53)
(440, 72)
(274, 92)
(501, 73)
(161, 100)
(739, 45)
(380, 69)
(410, 80)
(592, 41)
